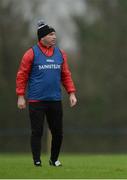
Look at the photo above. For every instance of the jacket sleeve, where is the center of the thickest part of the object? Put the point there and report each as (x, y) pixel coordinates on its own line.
(23, 72)
(66, 75)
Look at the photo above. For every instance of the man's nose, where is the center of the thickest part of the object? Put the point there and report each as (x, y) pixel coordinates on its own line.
(54, 36)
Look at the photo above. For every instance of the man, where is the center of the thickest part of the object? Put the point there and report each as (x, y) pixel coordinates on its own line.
(43, 68)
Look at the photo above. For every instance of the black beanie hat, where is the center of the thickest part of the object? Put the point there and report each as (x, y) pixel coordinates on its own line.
(43, 29)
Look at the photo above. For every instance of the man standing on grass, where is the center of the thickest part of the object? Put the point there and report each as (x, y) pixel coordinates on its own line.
(43, 68)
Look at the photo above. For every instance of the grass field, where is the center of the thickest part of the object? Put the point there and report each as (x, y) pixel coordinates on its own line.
(76, 166)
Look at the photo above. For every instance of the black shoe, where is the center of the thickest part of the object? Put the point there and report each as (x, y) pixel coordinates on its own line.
(56, 163)
(37, 163)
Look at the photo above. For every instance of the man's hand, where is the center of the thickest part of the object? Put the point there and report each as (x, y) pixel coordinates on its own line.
(21, 102)
(72, 99)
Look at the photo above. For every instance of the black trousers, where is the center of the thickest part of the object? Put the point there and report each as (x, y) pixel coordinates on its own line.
(54, 113)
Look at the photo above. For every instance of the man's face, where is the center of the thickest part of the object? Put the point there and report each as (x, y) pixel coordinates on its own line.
(50, 39)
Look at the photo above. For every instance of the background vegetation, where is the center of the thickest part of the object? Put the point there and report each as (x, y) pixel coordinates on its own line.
(99, 122)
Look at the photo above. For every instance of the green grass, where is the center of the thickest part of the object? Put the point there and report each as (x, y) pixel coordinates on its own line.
(74, 166)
